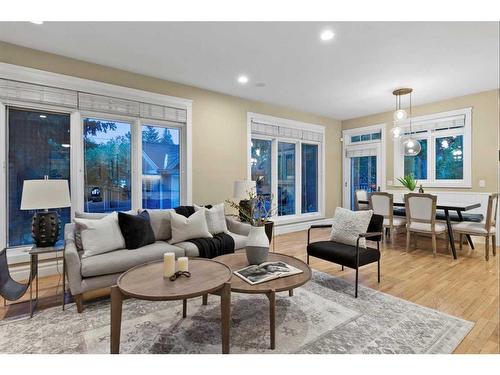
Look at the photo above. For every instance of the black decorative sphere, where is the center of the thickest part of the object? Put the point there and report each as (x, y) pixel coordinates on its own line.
(45, 228)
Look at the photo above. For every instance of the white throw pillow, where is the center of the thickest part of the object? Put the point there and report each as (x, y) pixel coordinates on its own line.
(188, 228)
(216, 220)
(160, 222)
(348, 225)
(101, 235)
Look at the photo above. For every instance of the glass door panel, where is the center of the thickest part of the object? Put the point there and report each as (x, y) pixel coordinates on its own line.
(363, 175)
(107, 157)
(286, 178)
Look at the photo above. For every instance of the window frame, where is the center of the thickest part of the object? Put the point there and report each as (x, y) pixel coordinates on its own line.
(427, 123)
(298, 216)
(44, 78)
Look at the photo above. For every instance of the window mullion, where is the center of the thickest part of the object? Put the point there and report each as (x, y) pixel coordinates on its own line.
(298, 179)
(274, 175)
(136, 164)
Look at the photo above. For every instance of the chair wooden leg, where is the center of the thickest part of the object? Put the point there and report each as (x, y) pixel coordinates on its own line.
(391, 235)
(433, 244)
(415, 238)
(494, 244)
(342, 268)
(487, 248)
(79, 302)
(408, 239)
(461, 241)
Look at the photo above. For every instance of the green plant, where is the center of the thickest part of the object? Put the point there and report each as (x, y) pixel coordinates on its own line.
(408, 182)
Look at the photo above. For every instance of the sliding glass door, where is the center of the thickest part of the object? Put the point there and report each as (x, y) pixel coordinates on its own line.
(38, 146)
(161, 160)
(363, 175)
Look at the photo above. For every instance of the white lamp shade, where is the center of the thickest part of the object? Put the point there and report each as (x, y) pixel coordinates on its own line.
(243, 188)
(44, 194)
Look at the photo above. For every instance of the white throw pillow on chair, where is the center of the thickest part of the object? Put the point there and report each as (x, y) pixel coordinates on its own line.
(188, 228)
(347, 225)
(216, 220)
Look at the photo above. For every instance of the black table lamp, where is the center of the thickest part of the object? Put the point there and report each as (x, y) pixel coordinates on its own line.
(44, 195)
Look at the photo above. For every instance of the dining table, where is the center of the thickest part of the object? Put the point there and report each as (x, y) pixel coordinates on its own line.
(458, 207)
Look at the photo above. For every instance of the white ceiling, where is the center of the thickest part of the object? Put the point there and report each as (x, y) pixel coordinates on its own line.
(350, 76)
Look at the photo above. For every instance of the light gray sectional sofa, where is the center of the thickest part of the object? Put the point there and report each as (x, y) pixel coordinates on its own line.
(100, 271)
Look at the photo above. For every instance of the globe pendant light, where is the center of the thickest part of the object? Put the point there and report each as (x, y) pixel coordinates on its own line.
(411, 146)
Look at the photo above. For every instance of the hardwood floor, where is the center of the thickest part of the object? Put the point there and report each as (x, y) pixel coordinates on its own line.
(467, 288)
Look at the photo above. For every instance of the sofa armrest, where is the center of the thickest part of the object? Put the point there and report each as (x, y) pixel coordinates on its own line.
(234, 225)
(72, 258)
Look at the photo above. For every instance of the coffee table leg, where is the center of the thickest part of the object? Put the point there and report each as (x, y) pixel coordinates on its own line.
(272, 316)
(225, 316)
(290, 292)
(116, 319)
(205, 299)
(184, 308)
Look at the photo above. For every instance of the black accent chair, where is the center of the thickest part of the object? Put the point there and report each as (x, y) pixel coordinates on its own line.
(348, 255)
(10, 289)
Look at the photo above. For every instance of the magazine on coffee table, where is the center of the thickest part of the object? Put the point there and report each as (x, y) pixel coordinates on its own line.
(267, 271)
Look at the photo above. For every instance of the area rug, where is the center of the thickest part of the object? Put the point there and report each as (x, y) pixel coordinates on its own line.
(321, 317)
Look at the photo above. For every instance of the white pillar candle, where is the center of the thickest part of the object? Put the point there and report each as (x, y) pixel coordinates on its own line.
(182, 263)
(168, 264)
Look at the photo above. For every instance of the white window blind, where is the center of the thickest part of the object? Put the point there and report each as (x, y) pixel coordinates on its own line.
(26, 92)
(286, 132)
(444, 123)
(367, 150)
(12, 91)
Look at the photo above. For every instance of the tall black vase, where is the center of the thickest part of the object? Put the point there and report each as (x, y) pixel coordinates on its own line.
(45, 228)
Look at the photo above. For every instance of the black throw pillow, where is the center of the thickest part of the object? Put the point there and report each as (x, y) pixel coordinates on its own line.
(136, 229)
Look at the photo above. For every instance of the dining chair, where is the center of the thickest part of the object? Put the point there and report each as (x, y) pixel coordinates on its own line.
(486, 229)
(382, 204)
(360, 195)
(421, 218)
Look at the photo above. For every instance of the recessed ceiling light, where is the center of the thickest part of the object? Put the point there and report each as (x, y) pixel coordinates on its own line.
(243, 79)
(37, 22)
(326, 35)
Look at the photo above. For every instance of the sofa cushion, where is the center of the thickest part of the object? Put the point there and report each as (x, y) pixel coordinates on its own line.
(136, 229)
(123, 259)
(160, 221)
(187, 228)
(240, 242)
(100, 236)
(216, 220)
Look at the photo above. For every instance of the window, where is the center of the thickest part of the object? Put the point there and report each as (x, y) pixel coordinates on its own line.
(417, 165)
(286, 163)
(365, 137)
(286, 178)
(445, 158)
(107, 159)
(39, 145)
(309, 178)
(160, 167)
(261, 166)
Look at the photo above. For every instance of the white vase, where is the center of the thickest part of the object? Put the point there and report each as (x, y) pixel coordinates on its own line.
(257, 248)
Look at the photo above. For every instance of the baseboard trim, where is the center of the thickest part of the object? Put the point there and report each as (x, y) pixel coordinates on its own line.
(21, 272)
(297, 227)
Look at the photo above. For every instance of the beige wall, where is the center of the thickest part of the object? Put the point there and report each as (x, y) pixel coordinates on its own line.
(485, 134)
(219, 123)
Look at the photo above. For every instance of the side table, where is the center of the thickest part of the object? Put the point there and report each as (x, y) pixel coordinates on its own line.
(34, 253)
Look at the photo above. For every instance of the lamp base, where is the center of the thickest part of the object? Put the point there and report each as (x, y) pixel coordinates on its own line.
(45, 228)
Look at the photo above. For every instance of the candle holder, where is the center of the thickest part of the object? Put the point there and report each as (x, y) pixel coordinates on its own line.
(178, 274)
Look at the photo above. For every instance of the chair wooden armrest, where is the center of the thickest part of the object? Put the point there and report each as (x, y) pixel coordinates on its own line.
(370, 234)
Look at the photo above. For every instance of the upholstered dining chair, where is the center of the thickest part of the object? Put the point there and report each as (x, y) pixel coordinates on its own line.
(486, 229)
(360, 195)
(421, 218)
(382, 204)
(10, 289)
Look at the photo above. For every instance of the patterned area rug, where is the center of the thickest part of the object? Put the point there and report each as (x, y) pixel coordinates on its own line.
(321, 317)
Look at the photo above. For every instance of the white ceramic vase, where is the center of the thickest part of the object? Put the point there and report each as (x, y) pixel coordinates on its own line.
(257, 248)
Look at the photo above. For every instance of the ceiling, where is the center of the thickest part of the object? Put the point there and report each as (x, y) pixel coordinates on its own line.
(350, 76)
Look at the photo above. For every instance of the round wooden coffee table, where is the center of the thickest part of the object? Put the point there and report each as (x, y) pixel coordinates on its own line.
(238, 261)
(146, 282)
